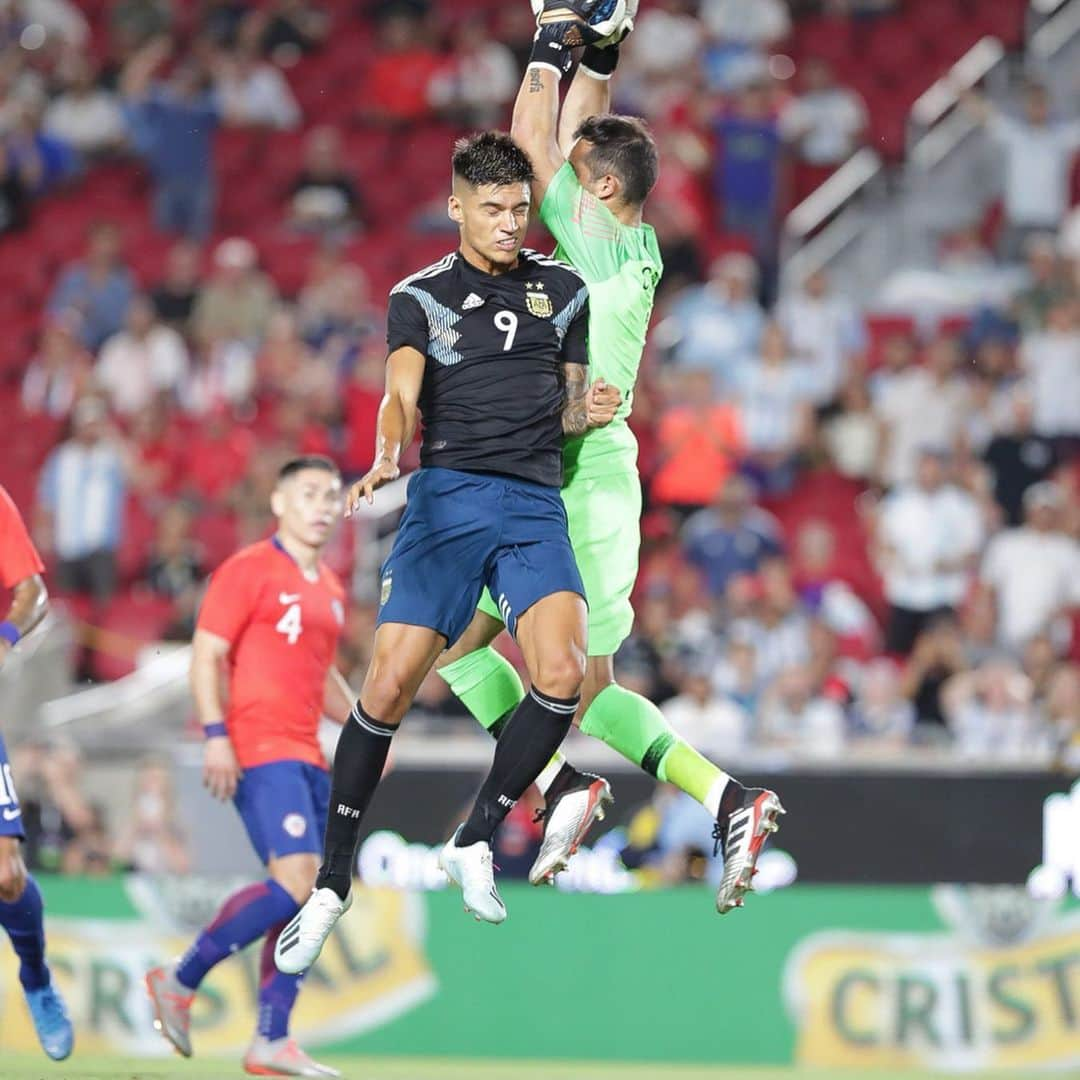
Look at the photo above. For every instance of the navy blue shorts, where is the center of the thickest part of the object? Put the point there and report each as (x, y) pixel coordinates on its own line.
(462, 531)
(283, 806)
(11, 822)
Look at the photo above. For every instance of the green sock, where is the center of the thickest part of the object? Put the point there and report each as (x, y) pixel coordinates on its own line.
(487, 685)
(635, 727)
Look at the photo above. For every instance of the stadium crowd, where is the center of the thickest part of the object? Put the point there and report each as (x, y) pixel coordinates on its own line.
(861, 531)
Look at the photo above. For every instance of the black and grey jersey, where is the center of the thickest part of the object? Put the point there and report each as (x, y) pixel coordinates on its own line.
(493, 390)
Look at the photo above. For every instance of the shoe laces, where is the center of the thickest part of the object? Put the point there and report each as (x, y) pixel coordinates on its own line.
(540, 815)
(324, 915)
(719, 831)
(52, 1011)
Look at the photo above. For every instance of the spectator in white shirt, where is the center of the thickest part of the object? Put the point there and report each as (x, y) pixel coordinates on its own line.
(479, 78)
(254, 93)
(928, 538)
(1038, 156)
(826, 122)
(716, 725)
(824, 330)
(792, 717)
(1033, 572)
(922, 405)
(86, 115)
(759, 24)
(1050, 360)
(990, 713)
(143, 360)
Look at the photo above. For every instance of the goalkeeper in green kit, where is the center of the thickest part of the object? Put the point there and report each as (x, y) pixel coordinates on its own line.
(594, 172)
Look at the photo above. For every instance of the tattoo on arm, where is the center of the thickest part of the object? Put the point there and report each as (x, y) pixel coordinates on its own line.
(575, 417)
(536, 83)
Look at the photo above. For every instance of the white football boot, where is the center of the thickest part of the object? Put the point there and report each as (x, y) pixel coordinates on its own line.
(299, 944)
(471, 868)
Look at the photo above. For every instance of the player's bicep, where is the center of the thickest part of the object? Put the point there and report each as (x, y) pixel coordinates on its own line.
(406, 324)
(575, 348)
(227, 605)
(208, 647)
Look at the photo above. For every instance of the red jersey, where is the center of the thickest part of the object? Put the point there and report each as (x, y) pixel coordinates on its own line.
(19, 559)
(283, 630)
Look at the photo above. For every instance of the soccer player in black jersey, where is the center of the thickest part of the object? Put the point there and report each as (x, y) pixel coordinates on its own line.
(489, 346)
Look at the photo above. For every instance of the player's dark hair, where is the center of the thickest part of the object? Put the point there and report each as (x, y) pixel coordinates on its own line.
(491, 157)
(622, 146)
(307, 461)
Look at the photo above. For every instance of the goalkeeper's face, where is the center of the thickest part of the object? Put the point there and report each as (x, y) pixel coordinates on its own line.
(493, 219)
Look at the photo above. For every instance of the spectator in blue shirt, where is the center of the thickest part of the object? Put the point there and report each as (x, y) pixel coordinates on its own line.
(172, 126)
(99, 287)
(730, 537)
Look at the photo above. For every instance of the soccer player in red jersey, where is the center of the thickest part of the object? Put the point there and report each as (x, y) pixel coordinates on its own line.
(271, 617)
(21, 909)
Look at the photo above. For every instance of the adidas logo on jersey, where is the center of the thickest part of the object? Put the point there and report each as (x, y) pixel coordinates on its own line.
(472, 301)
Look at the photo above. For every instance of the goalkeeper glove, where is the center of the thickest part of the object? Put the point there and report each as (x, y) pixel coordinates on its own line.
(582, 22)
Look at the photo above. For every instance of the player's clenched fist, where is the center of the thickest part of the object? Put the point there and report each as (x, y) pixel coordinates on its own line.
(221, 772)
(603, 401)
(382, 472)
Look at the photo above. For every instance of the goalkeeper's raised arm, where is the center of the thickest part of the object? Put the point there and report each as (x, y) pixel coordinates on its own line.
(562, 25)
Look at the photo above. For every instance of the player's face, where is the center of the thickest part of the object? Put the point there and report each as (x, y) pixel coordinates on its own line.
(307, 506)
(493, 220)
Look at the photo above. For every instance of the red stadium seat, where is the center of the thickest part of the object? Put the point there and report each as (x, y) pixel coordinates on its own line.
(130, 622)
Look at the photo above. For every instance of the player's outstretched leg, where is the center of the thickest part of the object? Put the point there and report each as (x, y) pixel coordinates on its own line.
(272, 1052)
(403, 655)
(22, 916)
(551, 633)
(246, 916)
(637, 729)
(489, 687)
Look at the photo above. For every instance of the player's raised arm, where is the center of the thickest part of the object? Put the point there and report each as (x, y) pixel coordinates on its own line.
(398, 416)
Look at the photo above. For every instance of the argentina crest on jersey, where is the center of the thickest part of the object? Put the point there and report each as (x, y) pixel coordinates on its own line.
(539, 304)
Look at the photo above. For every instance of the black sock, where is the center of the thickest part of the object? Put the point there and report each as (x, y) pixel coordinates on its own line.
(358, 766)
(531, 736)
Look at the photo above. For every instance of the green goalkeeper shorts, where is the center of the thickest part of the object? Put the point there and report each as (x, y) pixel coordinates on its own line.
(604, 515)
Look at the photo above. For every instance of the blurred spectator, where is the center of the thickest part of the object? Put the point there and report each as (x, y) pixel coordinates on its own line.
(774, 397)
(156, 454)
(54, 809)
(363, 394)
(730, 537)
(222, 376)
(761, 24)
(221, 21)
(716, 325)
(254, 93)
(1034, 570)
(1050, 359)
(825, 331)
(81, 502)
(175, 295)
(777, 628)
(335, 311)
(715, 725)
(99, 287)
(132, 23)
(1046, 284)
(217, 458)
(928, 537)
(699, 442)
(324, 197)
(285, 364)
(90, 852)
(1019, 457)
(990, 715)
(826, 121)
(881, 714)
(922, 405)
(61, 369)
(151, 841)
(44, 160)
(144, 360)
(853, 436)
(1063, 713)
(1038, 154)
(394, 89)
(478, 79)
(674, 23)
(172, 125)
(747, 176)
(84, 114)
(14, 193)
(237, 302)
(62, 20)
(793, 717)
(288, 28)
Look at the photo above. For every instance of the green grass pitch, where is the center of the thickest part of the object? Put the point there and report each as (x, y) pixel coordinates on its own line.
(27, 1067)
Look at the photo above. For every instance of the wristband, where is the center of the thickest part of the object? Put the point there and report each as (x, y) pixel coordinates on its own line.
(10, 633)
(548, 50)
(216, 731)
(600, 63)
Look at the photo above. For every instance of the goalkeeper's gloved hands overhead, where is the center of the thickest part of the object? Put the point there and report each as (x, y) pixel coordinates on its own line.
(582, 22)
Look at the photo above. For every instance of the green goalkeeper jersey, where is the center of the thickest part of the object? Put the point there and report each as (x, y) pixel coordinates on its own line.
(621, 264)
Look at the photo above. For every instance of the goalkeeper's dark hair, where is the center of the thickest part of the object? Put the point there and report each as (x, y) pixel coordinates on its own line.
(307, 461)
(622, 146)
(491, 157)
